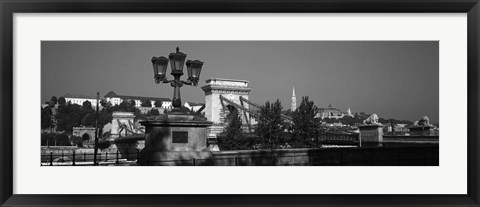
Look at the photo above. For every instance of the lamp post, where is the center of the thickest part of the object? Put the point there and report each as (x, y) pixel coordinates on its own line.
(177, 60)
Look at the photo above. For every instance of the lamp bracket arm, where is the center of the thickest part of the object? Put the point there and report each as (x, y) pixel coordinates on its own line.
(188, 82)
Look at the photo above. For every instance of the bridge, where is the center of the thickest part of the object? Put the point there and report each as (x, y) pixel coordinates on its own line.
(223, 96)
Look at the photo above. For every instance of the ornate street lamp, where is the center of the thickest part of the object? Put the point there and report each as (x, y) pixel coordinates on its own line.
(177, 60)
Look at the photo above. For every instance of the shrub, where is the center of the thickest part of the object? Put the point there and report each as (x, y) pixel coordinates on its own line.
(104, 145)
(76, 140)
(245, 142)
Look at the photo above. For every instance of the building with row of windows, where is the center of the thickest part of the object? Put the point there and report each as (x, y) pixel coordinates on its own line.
(116, 99)
(80, 99)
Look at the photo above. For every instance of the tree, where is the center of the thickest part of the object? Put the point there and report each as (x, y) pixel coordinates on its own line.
(62, 101)
(89, 120)
(153, 112)
(46, 117)
(305, 127)
(47, 139)
(104, 145)
(69, 116)
(104, 117)
(76, 140)
(52, 139)
(62, 140)
(132, 104)
(232, 137)
(53, 101)
(158, 103)
(146, 103)
(87, 105)
(105, 103)
(270, 125)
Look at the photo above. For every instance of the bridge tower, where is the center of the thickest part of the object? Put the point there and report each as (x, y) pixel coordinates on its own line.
(228, 88)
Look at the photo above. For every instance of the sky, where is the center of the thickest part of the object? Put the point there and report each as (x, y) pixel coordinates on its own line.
(394, 79)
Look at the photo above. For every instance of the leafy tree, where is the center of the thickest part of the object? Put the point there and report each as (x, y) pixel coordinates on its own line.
(53, 101)
(132, 103)
(288, 112)
(48, 139)
(46, 117)
(69, 116)
(104, 117)
(125, 105)
(146, 103)
(62, 140)
(62, 101)
(158, 103)
(89, 120)
(153, 112)
(104, 145)
(52, 139)
(305, 127)
(76, 140)
(105, 103)
(270, 125)
(232, 137)
(87, 105)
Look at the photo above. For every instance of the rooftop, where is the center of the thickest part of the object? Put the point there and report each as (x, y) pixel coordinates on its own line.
(69, 95)
(113, 94)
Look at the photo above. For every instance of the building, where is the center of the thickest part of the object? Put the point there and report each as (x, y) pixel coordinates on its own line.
(116, 99)
(80, 99)
(194, 106)
(333, 113)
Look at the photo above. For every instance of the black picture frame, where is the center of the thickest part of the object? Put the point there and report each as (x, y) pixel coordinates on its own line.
(10, 7)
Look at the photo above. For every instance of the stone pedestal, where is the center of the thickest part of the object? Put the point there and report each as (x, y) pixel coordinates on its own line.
(420, 130)
(175, 139)
(371, 135)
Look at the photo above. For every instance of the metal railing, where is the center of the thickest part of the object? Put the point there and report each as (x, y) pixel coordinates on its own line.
(106, 158)
(75, 158)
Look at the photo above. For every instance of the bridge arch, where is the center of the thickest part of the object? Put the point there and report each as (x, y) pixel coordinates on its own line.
(223, 96)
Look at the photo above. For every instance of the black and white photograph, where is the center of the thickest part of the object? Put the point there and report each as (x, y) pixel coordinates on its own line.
(240, 103)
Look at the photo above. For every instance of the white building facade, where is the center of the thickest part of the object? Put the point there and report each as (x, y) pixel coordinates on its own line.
(115, 99)
(80, 99)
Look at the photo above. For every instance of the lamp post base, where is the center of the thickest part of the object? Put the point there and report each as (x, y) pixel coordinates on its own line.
(176, 139)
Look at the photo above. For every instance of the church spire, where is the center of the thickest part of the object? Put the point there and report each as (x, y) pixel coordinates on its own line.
(294, 100)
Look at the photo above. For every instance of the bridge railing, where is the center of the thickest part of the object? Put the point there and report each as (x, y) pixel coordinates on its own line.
(82, 158)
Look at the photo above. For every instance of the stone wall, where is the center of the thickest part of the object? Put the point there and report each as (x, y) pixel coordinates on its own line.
(397, 140)
(427, 155)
